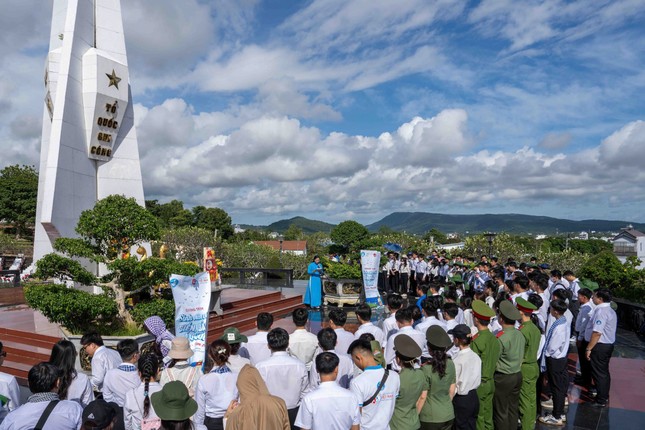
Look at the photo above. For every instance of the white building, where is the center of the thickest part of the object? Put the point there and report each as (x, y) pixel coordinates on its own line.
(630, 242)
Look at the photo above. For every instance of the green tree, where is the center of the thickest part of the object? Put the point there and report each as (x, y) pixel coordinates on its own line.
(170, 215)
(107, 233)
(435, 236)
(348, 234)
(18, 196)
(213, 219)
(605, 269)
(187, 243)
(294, 233)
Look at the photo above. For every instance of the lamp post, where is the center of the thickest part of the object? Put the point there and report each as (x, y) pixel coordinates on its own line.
(489, 237)
(281, 240)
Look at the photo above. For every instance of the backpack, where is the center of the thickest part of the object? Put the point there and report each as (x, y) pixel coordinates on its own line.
(188, 382)
(150, 423)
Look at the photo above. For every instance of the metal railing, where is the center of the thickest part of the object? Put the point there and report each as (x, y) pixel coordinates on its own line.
(279, 278)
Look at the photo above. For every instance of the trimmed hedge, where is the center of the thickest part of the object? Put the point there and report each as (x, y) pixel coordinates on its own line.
(75, 310)
(163, 308)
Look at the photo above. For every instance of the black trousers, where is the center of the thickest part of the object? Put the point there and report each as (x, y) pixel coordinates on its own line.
(600, 356)
(466, 409)
(556, 372)
(413, 283)
(293, 413)
(437, 426)
(393, 283)
(506, 400)
(585, 365)
(214, 423)
(403, 283)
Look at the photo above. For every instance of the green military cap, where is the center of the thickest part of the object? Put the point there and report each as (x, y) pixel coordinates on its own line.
(482, 311)
(232, 336)
(509, 311)
(404, 345)
(436, 336)
(524, 305)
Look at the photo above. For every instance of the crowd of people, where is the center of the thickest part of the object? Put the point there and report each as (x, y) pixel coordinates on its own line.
(472, 349)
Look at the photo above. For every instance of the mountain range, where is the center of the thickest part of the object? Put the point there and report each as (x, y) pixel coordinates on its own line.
(421, 222)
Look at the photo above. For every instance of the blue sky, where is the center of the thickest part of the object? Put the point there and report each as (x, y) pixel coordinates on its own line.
(354, 109)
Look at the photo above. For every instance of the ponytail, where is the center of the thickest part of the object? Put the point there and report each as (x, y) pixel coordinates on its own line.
(148, 367)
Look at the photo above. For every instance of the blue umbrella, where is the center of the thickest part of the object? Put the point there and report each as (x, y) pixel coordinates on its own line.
(394, 247)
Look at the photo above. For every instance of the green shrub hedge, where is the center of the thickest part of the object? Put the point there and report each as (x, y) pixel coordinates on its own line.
(163, 308)
(75, 310)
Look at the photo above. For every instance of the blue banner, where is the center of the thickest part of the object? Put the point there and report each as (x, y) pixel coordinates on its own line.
(192, 295)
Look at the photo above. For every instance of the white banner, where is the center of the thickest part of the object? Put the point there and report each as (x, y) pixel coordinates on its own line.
(371, 263)
(192, 295)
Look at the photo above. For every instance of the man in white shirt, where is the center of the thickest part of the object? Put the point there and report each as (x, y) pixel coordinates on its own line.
(286, 376)
(539, 283)
(103, 358)
(584, 314)
(602, 336)
(364, 314)
(450, 313)
(9, 390)
(43, 382)
(125, 376)
(554, 361)
(468, 372)
(256, 345)
(302, 343)
(394, 303)
(327, 342)
(404, 321)
(376, 396)
(521, 287)
(431, 306)
(330, 406)
(337, 320)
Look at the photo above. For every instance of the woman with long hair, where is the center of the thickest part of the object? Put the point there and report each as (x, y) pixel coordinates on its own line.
(437, 412)
(137, 407)
(216, 389)
(73, 385)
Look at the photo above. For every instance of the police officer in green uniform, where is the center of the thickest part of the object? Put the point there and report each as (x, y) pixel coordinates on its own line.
(486, 346)
(508, 375)
(413, 383)
(530, 368)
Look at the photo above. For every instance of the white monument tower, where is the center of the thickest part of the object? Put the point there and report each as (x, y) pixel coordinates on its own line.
(89, 144)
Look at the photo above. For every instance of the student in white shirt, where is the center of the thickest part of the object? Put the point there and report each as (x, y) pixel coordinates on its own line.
(394, 303)
(73, 385)
(285, 376)
(329, 406)
(9, 390)
(178, 368)
(404, 321)
(43, 383)
(376, 411)
(468, 372)
(100, 414)
(450, 313)
(124, 377)
(584, 314)
(235, 339)
(364, 314)
(137, 406)
(337, 320)
(554, 360)
(302, 343)
(431, 306)
(103, 358)
(216, 389)
(327, 342)
(256, 345)
(601, 343)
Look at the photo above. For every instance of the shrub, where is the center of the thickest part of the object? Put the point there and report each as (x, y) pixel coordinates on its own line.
(75, 310)
(343, 271)
(164, 309)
